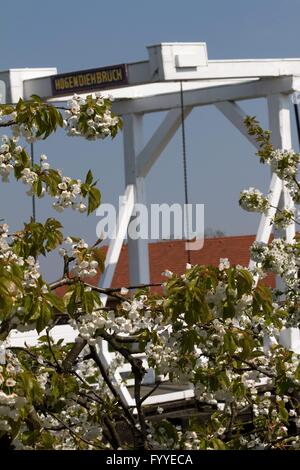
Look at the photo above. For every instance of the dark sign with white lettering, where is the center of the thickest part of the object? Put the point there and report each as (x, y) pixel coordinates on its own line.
(89, 80)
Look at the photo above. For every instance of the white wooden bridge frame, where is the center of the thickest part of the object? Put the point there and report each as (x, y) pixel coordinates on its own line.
(154, 86)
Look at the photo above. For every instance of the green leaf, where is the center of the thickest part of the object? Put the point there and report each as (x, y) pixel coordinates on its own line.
(44, 318)
(55, 301)
(244, 281)
(94, 199)
(229, 343)
(71, 307)
(88, 301)
(39, 188)
(89, 177)
(36, 98)
(283, 413)
(218, 444)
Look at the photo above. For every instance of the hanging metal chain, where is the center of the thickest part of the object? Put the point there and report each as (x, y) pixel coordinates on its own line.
(185, 179)
(33, 196)
(297, 121)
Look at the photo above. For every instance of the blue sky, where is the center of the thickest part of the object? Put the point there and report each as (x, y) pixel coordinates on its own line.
(78, 35)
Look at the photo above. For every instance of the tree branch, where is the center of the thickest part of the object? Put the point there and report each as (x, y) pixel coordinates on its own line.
(7, 124)
(70, 359)
(108, 382)
(138, 372)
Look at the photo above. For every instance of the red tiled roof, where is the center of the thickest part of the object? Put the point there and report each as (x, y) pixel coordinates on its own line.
(172, 255)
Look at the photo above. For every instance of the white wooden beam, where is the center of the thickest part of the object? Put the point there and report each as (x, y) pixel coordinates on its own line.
(246, 68)
(235, 114)
(209, 95)
(265, 226)
(111, 261)
(138, 256)
(114, 250)
(140, 73)
(15, 79)
(20, 339)
(279, 120)
(160, 139)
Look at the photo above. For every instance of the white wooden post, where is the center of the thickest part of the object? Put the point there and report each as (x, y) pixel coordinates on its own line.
(138, 256)
(280, 125)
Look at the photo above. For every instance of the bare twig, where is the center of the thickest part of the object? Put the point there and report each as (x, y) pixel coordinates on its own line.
(103, 290)
(7, 124)
(115, 439)
(254, 367)
(58, 366)
(31, 354)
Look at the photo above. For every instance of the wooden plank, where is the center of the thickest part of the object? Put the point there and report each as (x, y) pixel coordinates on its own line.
(235, 114)
(209, 95)
(116, 244)
(159, 140)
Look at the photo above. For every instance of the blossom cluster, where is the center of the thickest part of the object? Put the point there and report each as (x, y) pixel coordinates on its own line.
(11, 403)
(29, 133)
(90, 118)
(9, 156)
(252, 200)
(285, 164)
(84, 263)
(31, 272)
(69, 195)
(30, 267)
(278, 257)
(283, 218)
(132, 318)
(67, 190)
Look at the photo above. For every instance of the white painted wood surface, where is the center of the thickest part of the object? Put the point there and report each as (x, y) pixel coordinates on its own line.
(153, 71)
(159, 140)
(138, 257)
(236, 115)
(281, 137)
(265, 225)
(114, 250)
(280, 126)
(208, 95)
